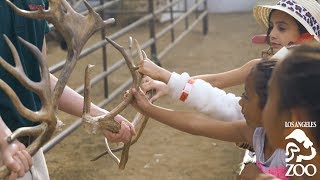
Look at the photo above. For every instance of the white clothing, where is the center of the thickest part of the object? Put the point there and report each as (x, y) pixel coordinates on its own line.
(39, 170)
(205, 98)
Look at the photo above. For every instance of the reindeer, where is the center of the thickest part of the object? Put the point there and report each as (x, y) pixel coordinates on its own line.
(71, 25)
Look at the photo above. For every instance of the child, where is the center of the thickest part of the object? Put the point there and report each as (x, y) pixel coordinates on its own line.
(288, 22)
(294, 97)
(269, 159)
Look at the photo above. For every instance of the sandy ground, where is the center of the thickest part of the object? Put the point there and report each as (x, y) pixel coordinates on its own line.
(162, 152)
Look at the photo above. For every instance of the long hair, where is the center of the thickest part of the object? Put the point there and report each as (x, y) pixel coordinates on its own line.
(269, 52)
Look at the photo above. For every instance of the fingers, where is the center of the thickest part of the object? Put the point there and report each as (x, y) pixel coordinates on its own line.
(28, 158)
(12, 164)
(147, 86)
(146, 79)
(23, 160)
(12, 176)
(123, 135)
(155, 97)
(20, 170)
(137, 94)
(126, 132)
(132, 129)
(17, 159)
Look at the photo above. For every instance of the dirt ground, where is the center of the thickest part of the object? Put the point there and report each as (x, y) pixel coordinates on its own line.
(163, 152)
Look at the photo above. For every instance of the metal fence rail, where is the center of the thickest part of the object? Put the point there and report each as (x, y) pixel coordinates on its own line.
(199, 9)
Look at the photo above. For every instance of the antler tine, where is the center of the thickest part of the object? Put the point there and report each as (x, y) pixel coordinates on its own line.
(42, 62)
(68, 7)
(15, 99)
(93, 122)
(127, 58)
(38, 14)
(130, 42)
(14, 52)
(90, 10)
(141, 56)
(17, 71)
(87, 97)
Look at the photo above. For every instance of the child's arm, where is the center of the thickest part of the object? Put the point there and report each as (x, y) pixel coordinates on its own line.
(204, 98)
(221, 80)
(230, 78)
(193, 122)
(199, 95)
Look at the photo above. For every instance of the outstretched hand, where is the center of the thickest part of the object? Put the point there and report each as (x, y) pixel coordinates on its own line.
(149, 84)
(149, 68)
(140, 101)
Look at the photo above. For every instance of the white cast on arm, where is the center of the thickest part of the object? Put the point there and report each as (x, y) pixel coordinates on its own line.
(205, 98)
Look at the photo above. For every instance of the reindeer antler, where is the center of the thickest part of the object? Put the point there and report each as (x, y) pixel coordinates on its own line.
(46, 114)
(102, 121)
(76, 30)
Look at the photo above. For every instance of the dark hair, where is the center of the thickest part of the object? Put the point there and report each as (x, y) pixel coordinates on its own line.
(261, 74)
(299, 82)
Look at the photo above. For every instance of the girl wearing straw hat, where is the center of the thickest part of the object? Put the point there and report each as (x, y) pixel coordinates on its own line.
(288, 22)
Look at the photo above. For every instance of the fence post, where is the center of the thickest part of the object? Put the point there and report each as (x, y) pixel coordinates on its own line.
(205, 19)
(185, 10)
(104, 55)
(197, 10)
(171, 20)
(153, 33)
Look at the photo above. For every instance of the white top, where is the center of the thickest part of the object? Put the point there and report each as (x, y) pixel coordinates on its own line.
(206, 98)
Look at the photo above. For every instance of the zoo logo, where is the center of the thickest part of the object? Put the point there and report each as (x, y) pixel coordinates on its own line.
(309, 169)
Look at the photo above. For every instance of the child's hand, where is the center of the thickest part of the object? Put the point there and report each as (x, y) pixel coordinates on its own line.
(151, 84)
(140, 102)
(149, 68)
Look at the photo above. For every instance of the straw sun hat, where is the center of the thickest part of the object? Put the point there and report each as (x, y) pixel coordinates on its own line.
(307, 12)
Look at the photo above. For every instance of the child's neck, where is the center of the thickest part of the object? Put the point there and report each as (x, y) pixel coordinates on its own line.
(268, 150)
